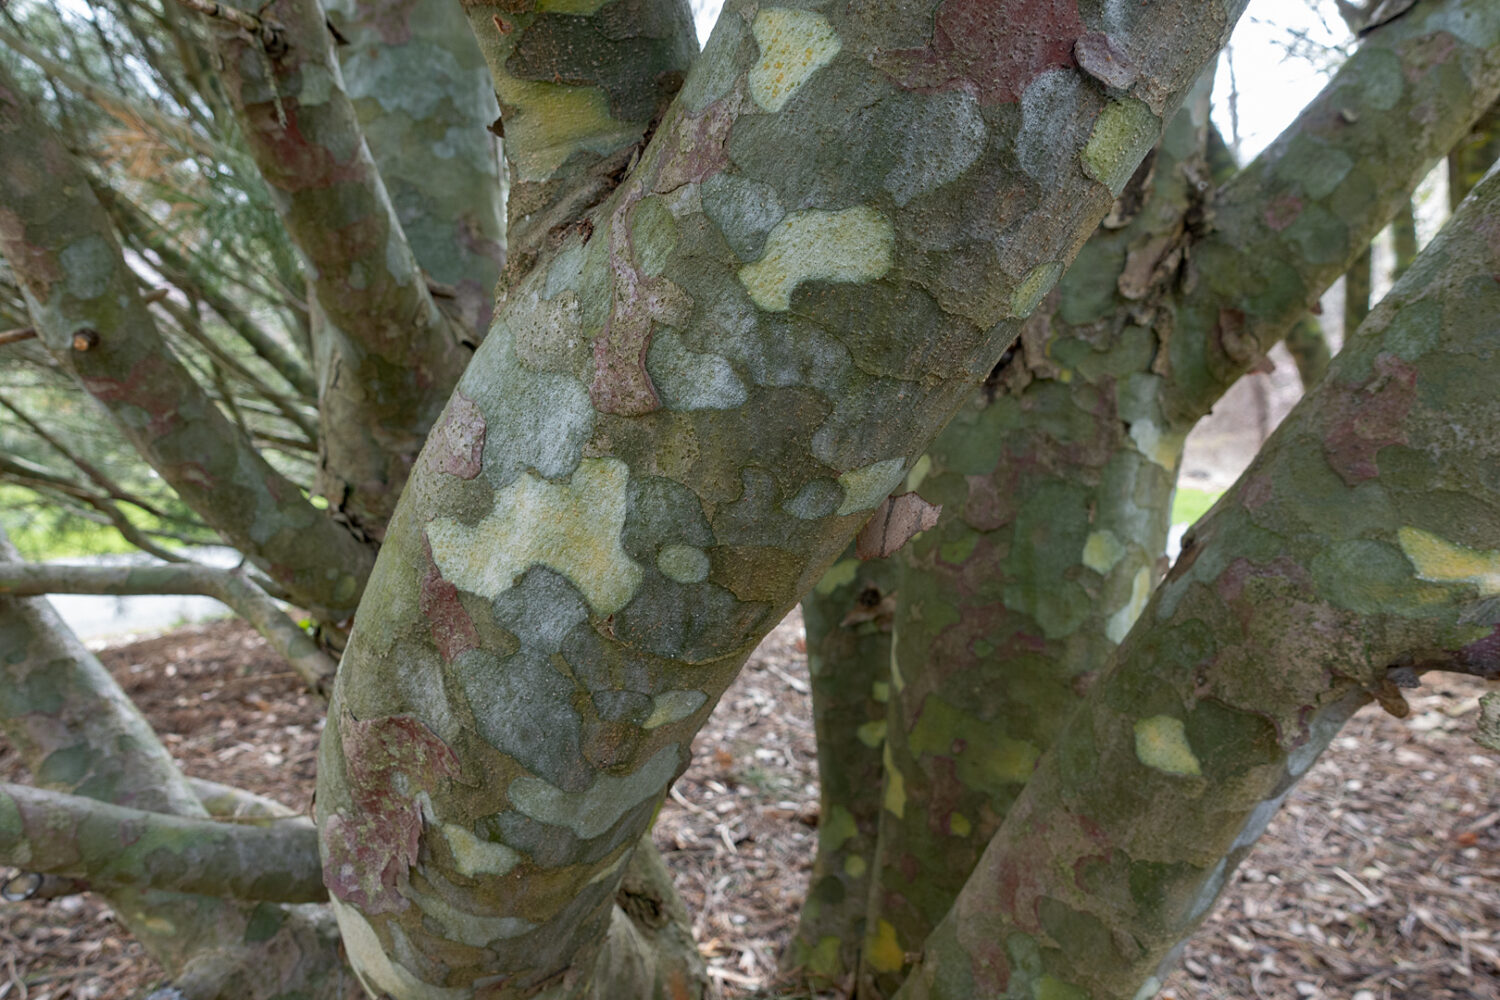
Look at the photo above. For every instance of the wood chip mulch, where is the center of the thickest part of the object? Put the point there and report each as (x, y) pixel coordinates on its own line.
(1380, 880)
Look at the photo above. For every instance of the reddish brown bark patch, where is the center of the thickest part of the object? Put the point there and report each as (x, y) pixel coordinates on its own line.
(369, 850)
(993, 48)
(1361, 419)
(1282, 211)
(456, 445)
(894, 523)
(621, 384)
(452, 629)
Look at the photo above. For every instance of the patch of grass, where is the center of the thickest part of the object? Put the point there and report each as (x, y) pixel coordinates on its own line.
(1190, 504)
(42, 531)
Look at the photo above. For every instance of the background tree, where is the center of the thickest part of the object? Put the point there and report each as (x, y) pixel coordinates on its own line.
(743, 291)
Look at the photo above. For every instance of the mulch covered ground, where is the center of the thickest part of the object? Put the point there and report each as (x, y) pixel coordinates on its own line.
(1380, 880)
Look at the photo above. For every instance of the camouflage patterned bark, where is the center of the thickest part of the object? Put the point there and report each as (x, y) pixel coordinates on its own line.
(1359, 550)
(87, 307)
(386, 355)
(582, 84)
(848, 617)
(1056, 517)
(78, 733)
(112, 847)
(424, 100)
(1058, 484)
(675, 427)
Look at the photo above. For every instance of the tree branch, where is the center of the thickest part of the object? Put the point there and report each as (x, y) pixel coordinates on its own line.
(231, 587)
(388, 356)
(1295, 219)
(579, 95)
(112, 847)
(1241, 670)
(96, 327)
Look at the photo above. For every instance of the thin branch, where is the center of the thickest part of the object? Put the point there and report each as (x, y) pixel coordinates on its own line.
(16, 336)
(231, 587)
(24, 473)
(114, 847)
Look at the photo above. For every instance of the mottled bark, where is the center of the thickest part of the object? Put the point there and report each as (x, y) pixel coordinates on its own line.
(422, 93)
(675, 427)
(231, 587)
(78, 733)
(848, 617)
(1357, 551)
(1292, 221)
(386, 356)
(112, 847)
(1058, 489)
(581, 86)
(85, 302)
(1057, 484)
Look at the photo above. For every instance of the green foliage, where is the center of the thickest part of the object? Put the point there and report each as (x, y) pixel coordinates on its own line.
(1190, 504)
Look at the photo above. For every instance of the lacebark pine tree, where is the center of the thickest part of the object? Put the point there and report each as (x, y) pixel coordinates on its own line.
(744, 290)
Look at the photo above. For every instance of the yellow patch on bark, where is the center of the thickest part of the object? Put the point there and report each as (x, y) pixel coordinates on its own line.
(1161, 743)
(552, 121)
(794, 44)
(883, 950)
(895, 786)
(471, 855)
(1102, 551)
(1441, 561)
(1118, 626)
(855, 244)
(573, 528)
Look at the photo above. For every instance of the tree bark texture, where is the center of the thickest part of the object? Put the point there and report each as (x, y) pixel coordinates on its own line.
(675, 426)
(79, 734)
(89, 313)
(848, 617)
(1354, 554)
(386, 356)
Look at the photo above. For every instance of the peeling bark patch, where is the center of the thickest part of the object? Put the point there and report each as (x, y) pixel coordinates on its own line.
(1102, 550)
(457, 442)
(591, 812)
(390, 761)
(991, 47)
(1441, 561)
(794, 44)
(1361, 419)
(572, 527)
(894, 523)
(856, 244)
(1102, 59)
(673, 706)
(452, 630)
(621, 383)
(1161, 743)
(1120, 622)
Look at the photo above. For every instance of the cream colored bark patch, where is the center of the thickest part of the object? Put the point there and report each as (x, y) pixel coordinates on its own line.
(855, 244)
(473, 856)
(794, 44)
(573, 528)
(376, 970)
(1118, 626)
(1442, 561)
(555, 120)
(1163, 449)
(1102, 551)
(866, 487)
(1161, 742)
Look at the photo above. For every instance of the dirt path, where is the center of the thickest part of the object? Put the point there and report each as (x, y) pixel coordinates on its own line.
(1380, 880)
